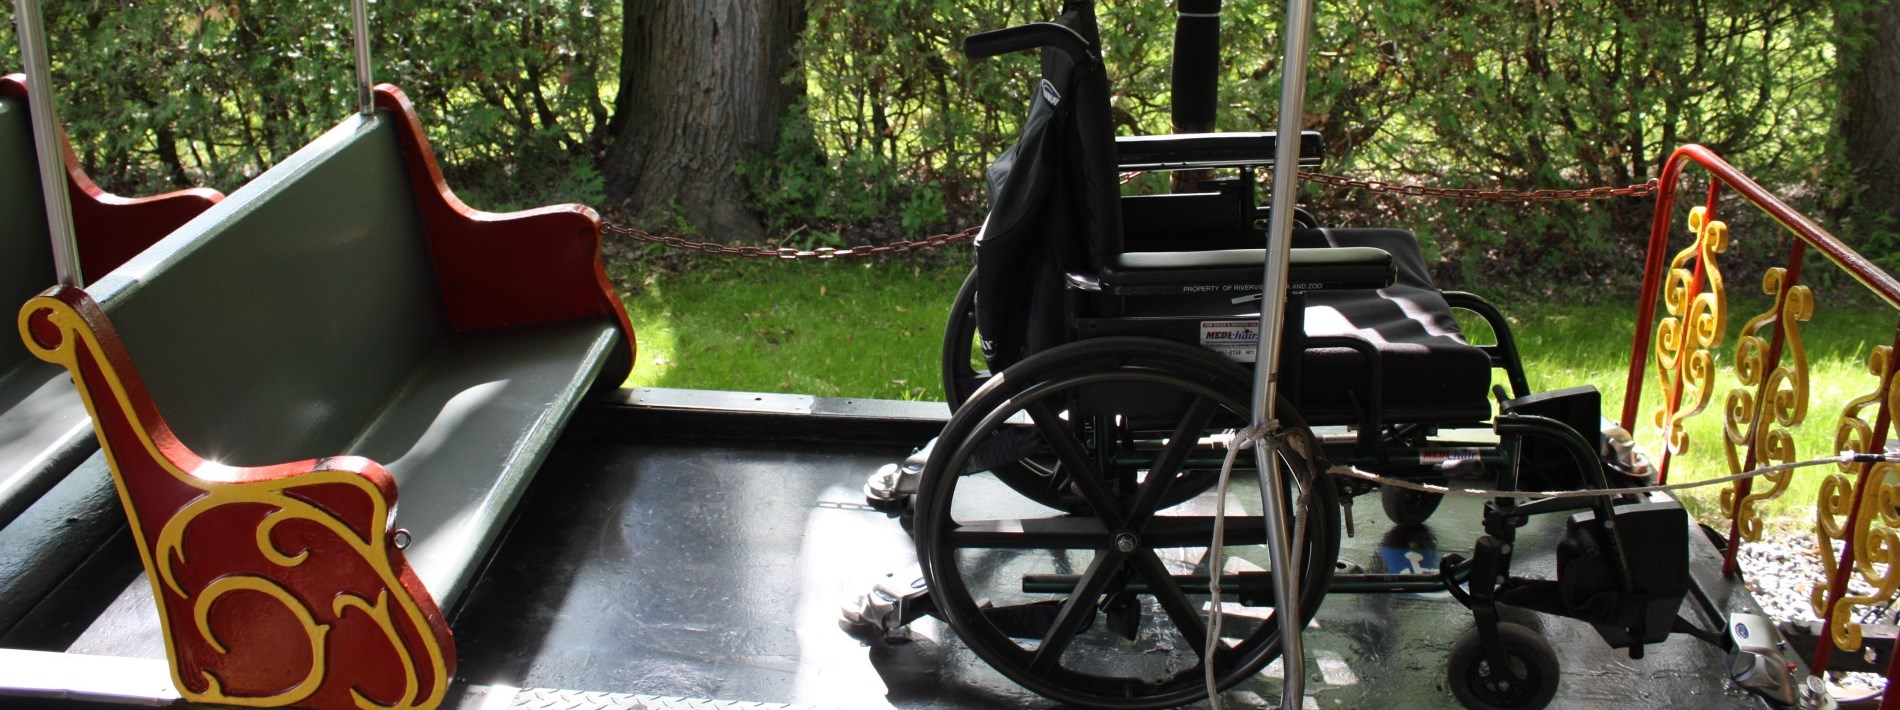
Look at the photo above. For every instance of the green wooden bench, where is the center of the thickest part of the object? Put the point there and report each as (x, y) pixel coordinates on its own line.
(268, 377)
(44, 431)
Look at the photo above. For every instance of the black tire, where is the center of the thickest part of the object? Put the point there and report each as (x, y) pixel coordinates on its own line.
(961, 374)
(1533, 678)
(977, 572)
(1404, 506)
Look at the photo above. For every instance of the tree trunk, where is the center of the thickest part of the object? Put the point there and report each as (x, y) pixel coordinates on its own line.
(702, 87)
(1870, 88)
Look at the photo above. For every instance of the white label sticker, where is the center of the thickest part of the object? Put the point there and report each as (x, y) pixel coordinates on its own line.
(1239, 340)
(1050, 94)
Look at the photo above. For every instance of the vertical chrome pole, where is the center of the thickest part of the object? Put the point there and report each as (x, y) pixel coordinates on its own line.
(1286, 580)
(359, 15)
(46, 138)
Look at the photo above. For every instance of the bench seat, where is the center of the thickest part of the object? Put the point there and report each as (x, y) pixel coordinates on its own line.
(268, 378)
(53, 537)
(485, 401)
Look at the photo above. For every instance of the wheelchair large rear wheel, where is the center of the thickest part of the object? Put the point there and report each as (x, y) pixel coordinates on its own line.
(1104, 603)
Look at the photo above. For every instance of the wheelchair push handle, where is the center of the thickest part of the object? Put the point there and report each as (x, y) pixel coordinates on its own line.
(1035, 35)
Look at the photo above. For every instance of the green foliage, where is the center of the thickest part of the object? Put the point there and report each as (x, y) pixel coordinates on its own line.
(896, 126)
(211, 92)
(1474, 93)
(896, 120)
(517, 92)
(801, 190)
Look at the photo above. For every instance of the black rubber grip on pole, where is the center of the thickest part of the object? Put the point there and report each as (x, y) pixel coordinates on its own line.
(1035, 35)
(1196, 92)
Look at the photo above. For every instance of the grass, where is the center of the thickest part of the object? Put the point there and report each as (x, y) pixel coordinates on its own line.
(874, 329)
(869, 328)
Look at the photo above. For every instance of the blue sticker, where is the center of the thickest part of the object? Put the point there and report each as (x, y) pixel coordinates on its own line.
(1741, 630)
(1409, 560)
(1421, 561)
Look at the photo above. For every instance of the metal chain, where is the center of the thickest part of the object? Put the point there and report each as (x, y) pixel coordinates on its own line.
(1642, 189)
(931, 242)
(936, 241)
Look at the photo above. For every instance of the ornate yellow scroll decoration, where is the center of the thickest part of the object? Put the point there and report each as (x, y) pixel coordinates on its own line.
(1761, 426)
(1684, 364)
(78, 347)
(1876, 545)
(279, 495)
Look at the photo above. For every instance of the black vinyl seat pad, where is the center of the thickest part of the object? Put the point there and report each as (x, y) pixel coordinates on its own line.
(1431, 374)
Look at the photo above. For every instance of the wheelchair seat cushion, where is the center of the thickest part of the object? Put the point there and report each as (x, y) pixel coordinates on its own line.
(1430, 373)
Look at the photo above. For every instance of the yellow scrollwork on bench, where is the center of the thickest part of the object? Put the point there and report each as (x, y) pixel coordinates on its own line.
(277, 585)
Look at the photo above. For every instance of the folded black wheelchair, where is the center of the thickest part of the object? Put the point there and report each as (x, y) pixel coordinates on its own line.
(1064, 518)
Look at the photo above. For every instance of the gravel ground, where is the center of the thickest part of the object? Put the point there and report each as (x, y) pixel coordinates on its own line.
(1782, 570)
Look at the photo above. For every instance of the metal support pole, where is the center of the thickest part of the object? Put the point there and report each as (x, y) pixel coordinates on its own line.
(1286, 580)
(1195, 87)
(46, 141)
(359, 16)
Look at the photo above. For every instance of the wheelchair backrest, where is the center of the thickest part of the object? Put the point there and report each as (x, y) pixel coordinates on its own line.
(1054, 200)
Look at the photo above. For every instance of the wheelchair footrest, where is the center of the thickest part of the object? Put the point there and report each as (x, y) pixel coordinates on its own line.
(885, 612)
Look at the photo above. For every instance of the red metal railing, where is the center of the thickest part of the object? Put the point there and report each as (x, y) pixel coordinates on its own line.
(1809, 236)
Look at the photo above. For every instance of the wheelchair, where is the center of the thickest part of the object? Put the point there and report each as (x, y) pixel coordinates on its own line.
(1064, 518)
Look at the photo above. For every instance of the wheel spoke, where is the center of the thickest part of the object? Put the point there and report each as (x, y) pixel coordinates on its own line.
(1076, 612)
(1167, 464)
(1075, 462)
(1185, 614)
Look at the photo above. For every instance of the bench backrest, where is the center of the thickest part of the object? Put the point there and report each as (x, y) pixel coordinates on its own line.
(307, 298)
(26, 253)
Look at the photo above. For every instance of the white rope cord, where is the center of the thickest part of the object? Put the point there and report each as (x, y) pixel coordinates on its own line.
(1845, 457)
(1236, 442)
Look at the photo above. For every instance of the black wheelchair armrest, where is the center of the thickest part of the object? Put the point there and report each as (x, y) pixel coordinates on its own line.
(1202, 151)
(1340, 269)
(1503, 353)
(1239, 271)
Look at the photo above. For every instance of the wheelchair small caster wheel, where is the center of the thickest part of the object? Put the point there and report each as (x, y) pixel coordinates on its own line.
(1404, 506)
(1528, 684)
